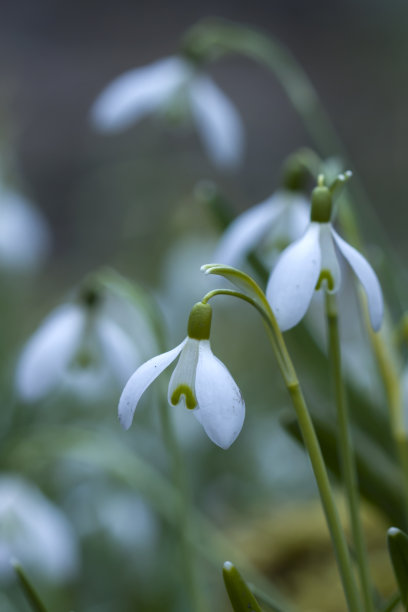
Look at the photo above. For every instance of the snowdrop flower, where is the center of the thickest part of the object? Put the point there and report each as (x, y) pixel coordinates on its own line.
(272, 224)
(169, 85)
(280, 219)
(200, 382)
(315, 259)
(34, 531)
(24, 235)
(78, 346)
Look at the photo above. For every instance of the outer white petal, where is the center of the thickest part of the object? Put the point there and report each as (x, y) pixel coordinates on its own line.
(140, 380)
(291, 285)
(119, 351)
(221, 408)
(218, 122)
(367, 278)
(24, 235)
(247, 231)
(138, 92)
(47, 354)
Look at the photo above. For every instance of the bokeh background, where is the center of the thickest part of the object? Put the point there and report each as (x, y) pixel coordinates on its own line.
(128, 201)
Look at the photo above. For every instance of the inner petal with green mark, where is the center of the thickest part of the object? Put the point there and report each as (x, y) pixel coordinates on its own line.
(325, 278)
(182, 382)
(330, 269)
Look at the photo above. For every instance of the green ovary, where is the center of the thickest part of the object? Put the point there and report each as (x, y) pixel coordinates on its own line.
(185, 390)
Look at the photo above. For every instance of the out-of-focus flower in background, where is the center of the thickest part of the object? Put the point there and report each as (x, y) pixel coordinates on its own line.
(81, 347)
(272, 224)
(35, 532)
(24, 234)
(177, 89)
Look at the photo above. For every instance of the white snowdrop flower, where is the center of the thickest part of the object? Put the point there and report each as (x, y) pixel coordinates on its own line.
(200, 381)
(168, 84)
(34, 531)
(78, 347)
(24, 234)
(280, 219)
(314, 259)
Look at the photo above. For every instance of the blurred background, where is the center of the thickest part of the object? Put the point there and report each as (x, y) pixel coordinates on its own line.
(129, 201)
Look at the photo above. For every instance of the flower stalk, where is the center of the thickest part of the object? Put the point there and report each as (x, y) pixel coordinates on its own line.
(184, 513)
(346, 450)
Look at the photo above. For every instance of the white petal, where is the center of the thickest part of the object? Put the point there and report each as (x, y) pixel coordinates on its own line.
(367, 278)
(184, 374)
(47, 354)
(218, 123)
(24, 235)
(140, 380)
(291, 285)
(138, 92)
(119, 351)
(221, 408)
(247, 231)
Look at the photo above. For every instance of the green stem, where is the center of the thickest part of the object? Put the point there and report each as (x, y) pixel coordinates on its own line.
(346, 451)
(184, 511)
(326, 495)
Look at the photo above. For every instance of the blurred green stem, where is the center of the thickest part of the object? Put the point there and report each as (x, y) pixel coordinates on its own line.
(386, 360)
(184, 510)
(29, 591)
(346, 451)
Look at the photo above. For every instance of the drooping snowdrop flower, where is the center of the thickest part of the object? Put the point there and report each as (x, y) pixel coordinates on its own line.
(170, 85)
(80, 348)
(24, 234)
(34, 531)
(272, 224)
(278, 220)
(200, 382)
(313, 260)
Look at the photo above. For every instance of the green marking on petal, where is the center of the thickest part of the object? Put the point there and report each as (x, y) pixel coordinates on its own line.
(185, 390)
(325, 275)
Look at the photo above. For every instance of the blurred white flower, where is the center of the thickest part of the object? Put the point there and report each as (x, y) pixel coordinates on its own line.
(24, 234)
(274, 223)
(200, 381)
(79, 347)
(34, 531)
(169, 85)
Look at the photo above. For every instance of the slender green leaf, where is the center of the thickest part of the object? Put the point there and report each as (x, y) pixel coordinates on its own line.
(241, 598)
(398, 549)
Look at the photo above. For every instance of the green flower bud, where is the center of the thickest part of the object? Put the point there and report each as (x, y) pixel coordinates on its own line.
(199, 322)
(295, 174)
